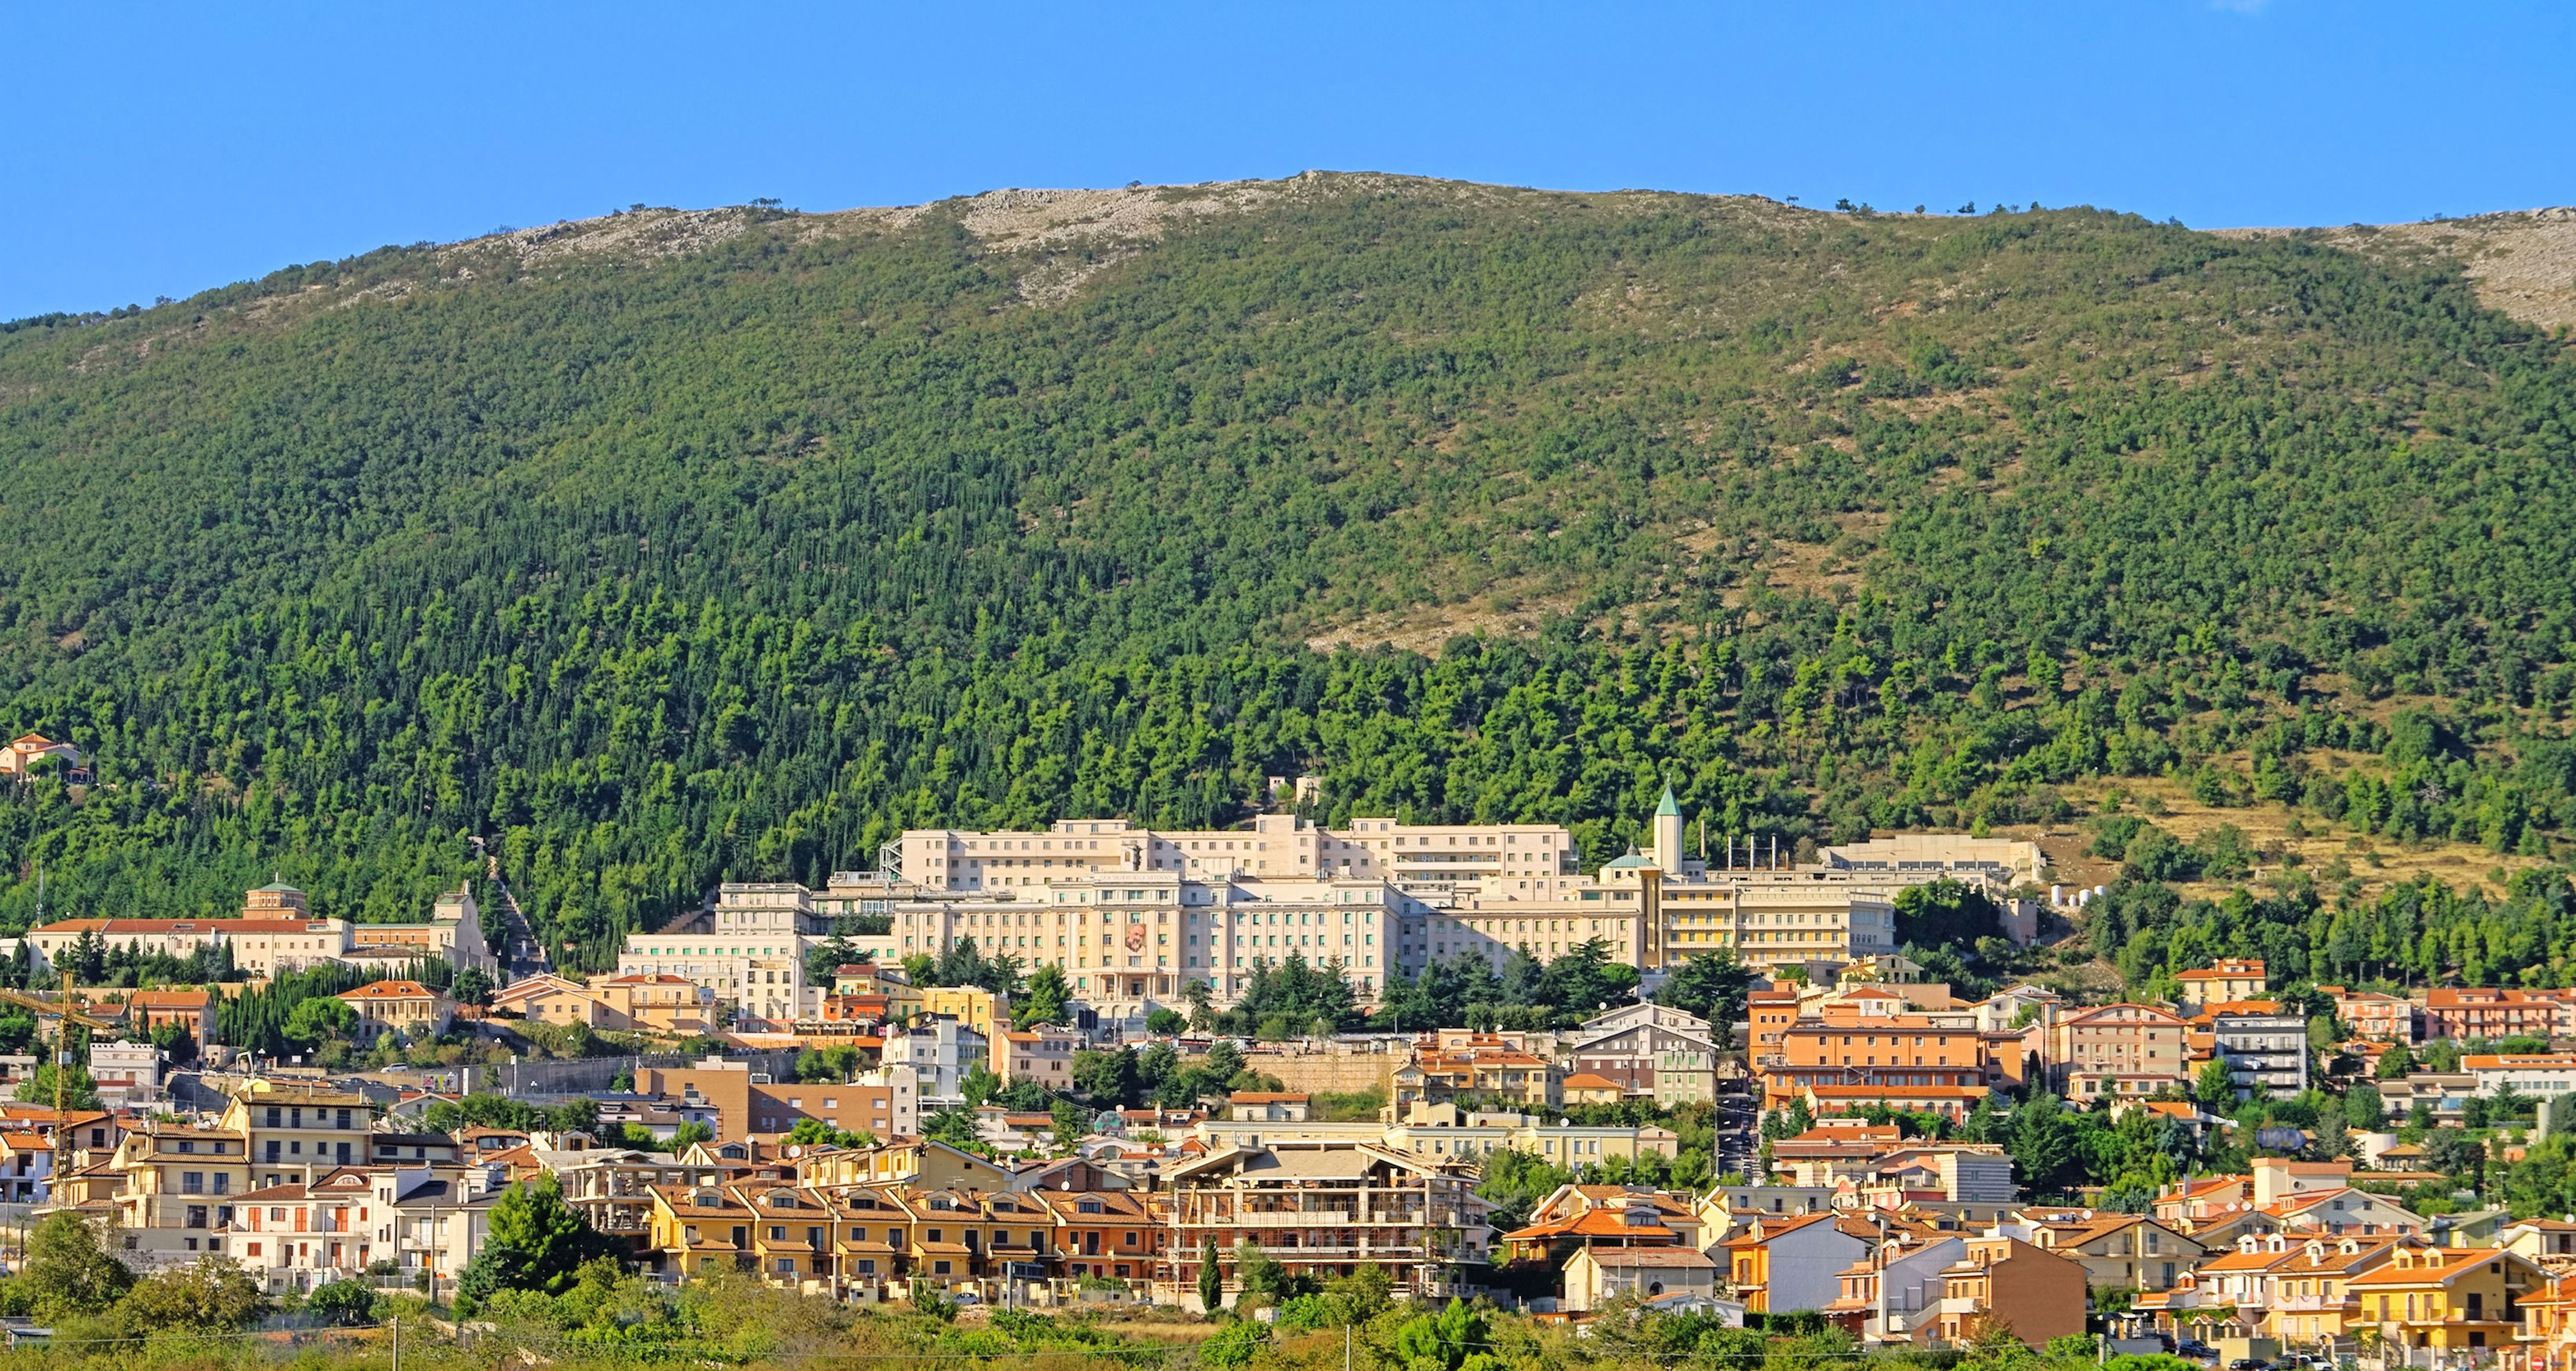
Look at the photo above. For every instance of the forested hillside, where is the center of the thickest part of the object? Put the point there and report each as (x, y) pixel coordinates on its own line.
(675, 548)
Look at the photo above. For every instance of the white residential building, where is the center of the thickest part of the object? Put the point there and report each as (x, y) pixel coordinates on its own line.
(2531, 1074)
(276, 932)
(761, 975)
(432, 1219)
(128, 1074)
(1133, 914)
(1897, 1289)
(749, 948)
(26, 1166)
(1276, 847)
(939, 1052)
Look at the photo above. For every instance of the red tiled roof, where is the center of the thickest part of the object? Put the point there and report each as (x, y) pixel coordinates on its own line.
(2465, 1260)
(1607, 1223)
(171, 999)
(228, 924)
(389, 990)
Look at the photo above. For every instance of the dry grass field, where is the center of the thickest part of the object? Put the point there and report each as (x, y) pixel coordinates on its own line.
(2329, 852)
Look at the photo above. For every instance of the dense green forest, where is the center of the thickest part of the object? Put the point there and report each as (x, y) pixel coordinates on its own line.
(661, 568)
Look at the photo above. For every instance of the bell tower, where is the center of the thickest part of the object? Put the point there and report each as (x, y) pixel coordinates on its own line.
(1668, 834)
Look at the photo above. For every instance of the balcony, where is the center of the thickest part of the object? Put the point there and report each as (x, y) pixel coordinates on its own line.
(1317, 1218)
(1326, 1218)
(1901, 1323)
(1330, 1209)
(1364, 1252)
(2455, 1318)
(2309, 1304)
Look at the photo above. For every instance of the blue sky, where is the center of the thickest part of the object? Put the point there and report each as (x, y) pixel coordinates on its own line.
(160, 150)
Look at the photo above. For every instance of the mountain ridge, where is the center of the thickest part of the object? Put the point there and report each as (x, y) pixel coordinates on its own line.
(662, 567)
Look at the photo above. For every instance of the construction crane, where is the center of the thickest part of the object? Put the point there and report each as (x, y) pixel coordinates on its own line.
(62, 1031)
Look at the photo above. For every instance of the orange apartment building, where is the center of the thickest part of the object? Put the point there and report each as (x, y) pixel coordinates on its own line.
(885, 1110)
(2127, 1048)
(1952, 1102)
(2489, 1012)
(1833, 1151)
(1880, 1053)
(2230, 978)
(1768, 1014)
(193, 1011)
(2379, 1017)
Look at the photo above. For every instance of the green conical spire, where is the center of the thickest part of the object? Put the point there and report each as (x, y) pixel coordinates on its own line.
(1667, 805)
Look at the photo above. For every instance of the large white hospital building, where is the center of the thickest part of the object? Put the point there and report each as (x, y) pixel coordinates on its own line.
(1133, 914)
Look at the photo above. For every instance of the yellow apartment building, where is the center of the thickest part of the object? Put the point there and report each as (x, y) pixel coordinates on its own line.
(2447, 1299)
(973, 1006)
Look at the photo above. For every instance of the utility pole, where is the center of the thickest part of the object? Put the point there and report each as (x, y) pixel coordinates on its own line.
(396, 1326)
(1346, 1349)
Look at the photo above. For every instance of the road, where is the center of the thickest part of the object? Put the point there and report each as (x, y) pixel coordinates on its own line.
(521, 953)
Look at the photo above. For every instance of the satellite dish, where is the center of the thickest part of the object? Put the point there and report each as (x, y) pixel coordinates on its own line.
(1107, 1122)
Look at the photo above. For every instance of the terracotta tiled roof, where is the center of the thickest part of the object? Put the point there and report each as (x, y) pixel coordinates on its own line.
(228, 925)
(683, 1201)
(389, 990)
(2453, 1263)
(171, 999)
(2245, 1261)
